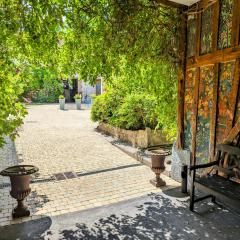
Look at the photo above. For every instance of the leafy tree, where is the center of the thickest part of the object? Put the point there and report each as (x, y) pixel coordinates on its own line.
(129, 40)
(140, 97)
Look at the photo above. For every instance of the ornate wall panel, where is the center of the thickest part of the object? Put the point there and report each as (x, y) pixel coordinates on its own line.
(206, 31)
(189, 106)
(191, 37)
(204, 113)
(224, 91)
(212, 51)
(225, 24)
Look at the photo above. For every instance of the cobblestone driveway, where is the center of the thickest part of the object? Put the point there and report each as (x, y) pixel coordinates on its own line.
(66, 141)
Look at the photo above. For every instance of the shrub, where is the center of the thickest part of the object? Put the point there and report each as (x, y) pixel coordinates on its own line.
(77, 96)
(93, 95)
(105, 106)
(99, 111)
(61, 97)
(43, 96)
(43, 88)
(136, 112)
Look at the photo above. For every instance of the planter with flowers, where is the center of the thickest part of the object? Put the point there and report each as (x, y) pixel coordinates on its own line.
(62, 102)
(78, 99)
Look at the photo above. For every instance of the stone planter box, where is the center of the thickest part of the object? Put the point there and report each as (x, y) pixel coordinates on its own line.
(62, 103)
(78, 104)
(140, 138)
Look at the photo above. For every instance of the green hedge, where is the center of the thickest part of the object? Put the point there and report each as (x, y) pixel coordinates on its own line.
(105, 106)
(47, 95)
(134, 111)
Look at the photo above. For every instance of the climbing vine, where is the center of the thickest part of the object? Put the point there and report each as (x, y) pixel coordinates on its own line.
(89, 37)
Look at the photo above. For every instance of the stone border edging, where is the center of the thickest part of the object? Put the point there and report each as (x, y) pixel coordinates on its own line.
(142, 138)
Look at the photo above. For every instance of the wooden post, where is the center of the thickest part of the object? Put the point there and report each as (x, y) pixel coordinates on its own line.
(214, 112)
(198, 35)
(234, 95)
(181, 79)
(196, 90)
(195, 115)
(216, 8)
(235, 24)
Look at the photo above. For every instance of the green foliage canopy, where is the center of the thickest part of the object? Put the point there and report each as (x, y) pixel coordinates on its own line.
(147, 101)
(121, 39)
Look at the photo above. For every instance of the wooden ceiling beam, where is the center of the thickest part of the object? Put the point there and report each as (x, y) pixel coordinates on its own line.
(225, 55)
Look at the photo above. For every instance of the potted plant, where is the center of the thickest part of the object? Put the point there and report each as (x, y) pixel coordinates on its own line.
(78, 99)
(61, 102)
(20, 179)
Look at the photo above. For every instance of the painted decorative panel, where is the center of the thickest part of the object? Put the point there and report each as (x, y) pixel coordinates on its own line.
(224, 91)
(189, 107)
(204, 114)
(225, 24)
(191, 37)
(206, 31)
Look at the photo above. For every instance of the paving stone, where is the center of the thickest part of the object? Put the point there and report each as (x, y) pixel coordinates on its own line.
(66, 141)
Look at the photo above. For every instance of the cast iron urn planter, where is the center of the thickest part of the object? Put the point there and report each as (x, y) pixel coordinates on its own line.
(158, 167)
(20, 179)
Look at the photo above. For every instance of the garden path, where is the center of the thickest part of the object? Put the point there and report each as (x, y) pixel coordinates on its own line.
(66, 142)
(109, 196)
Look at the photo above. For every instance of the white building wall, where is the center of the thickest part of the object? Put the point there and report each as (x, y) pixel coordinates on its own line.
(87, 89)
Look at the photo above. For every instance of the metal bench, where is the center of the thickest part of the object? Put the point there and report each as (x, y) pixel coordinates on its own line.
(222, 182)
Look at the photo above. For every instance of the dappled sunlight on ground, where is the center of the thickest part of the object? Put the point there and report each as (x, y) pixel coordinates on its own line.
(79, 168)
(102, 193)
(156, 216)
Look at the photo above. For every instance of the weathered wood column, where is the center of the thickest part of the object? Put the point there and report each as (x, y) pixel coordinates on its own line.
(181, 78)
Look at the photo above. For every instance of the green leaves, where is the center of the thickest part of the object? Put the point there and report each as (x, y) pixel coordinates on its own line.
(12, 111)
(141, 96)
(132, 44)
(137, 111)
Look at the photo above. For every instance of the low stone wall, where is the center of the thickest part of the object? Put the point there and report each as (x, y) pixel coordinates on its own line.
(140, 138)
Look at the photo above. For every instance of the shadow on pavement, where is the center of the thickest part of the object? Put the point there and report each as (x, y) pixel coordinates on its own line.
(156, 216)
(162, 217)
(36, 201)
(27, 230)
